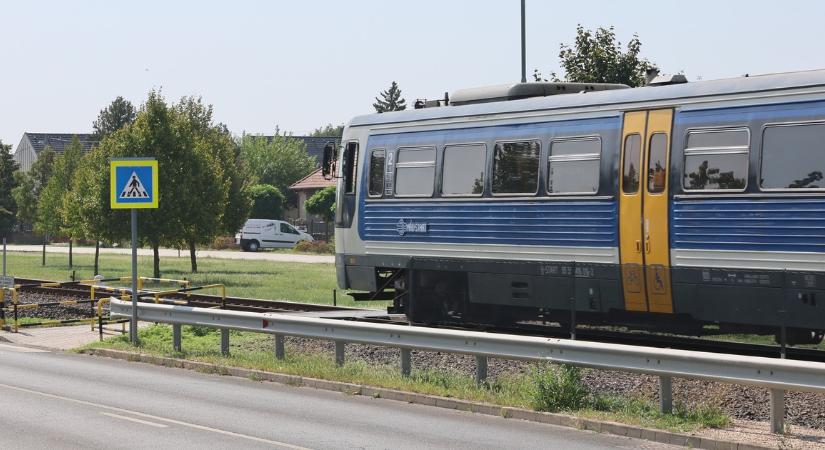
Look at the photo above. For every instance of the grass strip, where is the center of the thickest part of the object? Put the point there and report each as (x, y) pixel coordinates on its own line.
(547, 387)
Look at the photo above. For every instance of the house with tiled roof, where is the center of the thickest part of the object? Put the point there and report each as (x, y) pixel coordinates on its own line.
(32, 144)
(307, 186)
(314, 144)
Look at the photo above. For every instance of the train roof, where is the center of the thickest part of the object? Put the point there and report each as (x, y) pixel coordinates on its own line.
(729, 86)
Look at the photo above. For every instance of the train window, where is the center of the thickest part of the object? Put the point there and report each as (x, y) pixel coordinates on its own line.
(516, 167)
(716, 160)
(376, 187)
(573, 166)
(350, 159)
(631, 161)
(657, 163)
(793, 157)
(415, 172)
(463, 171)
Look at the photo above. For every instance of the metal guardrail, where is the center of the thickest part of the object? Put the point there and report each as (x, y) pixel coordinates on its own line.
(777, 375)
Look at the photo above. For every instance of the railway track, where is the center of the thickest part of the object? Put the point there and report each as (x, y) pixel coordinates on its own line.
(649, 339)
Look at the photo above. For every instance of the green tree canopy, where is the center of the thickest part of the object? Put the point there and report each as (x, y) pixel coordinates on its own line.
(322, 203)
(267, 202)
(280, 161)
(8, 208)
(29, 185)
(117, 115)
(390, 100)
(597, 57)
(328, 130)
(51, 217)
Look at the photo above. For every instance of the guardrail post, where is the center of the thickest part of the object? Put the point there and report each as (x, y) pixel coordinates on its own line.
(225, 341)
(481, 369)
(339, 353)
(406, 361)
(176, 337)
(280, 353)
(665, 395)
(777, 411)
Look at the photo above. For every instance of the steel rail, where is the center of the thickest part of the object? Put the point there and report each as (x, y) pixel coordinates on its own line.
(778, 374)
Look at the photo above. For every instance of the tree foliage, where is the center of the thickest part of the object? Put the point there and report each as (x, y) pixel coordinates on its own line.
(279, 161)
(267, 202)
(598, 57)
(117, 115)
(390, 100)
(203, 188)
(322, 203)
(328, 130)
(51, 218)
(8, 208)
(30, 184)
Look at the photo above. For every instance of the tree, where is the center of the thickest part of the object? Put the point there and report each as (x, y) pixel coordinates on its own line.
(390, 100)
(87, 206)
(114, 117)
(30, 184)
(597, 57)
(322, 203)
(213, 151)
(280, 161)
(153, 134)
(8, 208)
(267, 202)
(24, 197)
(328, 131)
(51, 217)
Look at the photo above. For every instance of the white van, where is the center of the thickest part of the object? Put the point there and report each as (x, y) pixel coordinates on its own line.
(265, 233)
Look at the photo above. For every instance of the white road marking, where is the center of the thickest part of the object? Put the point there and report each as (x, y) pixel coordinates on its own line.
(132, 419)
(158, 418)
(19, 349)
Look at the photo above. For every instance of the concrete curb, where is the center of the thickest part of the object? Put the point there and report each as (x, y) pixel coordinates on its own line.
(563, 420)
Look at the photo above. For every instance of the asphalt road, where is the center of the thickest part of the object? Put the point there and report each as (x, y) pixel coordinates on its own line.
(58, 400)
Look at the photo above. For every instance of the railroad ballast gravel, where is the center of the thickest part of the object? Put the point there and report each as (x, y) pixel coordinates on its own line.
(741, 402)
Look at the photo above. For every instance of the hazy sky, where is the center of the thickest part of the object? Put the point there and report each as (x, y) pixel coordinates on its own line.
(302, 64)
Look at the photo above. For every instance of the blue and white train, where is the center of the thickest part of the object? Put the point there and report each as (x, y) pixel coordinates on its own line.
(675, 205)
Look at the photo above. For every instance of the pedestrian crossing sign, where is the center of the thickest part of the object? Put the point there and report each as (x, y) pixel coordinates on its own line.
(134, 183)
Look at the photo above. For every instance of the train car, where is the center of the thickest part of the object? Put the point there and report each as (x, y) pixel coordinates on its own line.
(676, 206)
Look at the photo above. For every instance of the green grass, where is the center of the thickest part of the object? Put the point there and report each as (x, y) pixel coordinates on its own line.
(256, 279)
(255, 351)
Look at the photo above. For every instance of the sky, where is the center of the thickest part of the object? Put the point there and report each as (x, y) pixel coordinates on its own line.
(298, 65)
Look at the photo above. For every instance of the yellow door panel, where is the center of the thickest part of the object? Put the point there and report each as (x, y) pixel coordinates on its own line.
(655, 218)
(631, 210)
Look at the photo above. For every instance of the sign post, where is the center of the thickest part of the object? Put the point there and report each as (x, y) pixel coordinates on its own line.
(134, 185)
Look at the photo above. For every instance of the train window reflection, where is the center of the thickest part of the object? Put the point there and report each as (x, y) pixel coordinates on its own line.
(573, 166)
(657, 163)
(631, 163)
(793, 157)
(376, 187)
(516, 167)
(415, 172)
(463, 172)
(716, 160)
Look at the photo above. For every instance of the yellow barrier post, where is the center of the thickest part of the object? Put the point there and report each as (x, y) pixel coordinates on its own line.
(2, 307)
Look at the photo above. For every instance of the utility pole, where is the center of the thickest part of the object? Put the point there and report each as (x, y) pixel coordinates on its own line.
(523, 47)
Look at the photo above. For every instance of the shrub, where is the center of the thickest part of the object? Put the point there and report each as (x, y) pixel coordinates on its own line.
(559, 388)
(267, 202)
(320, 247)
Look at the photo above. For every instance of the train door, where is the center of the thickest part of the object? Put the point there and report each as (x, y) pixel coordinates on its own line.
(643, 211)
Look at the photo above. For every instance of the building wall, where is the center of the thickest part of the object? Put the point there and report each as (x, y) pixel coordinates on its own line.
(24, 155)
